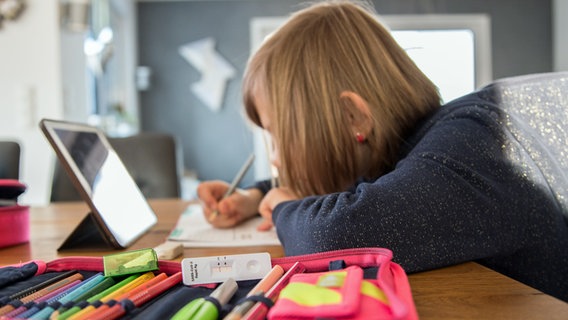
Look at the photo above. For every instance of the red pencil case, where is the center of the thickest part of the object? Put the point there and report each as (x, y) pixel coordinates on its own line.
(14, 218)
(357, 266)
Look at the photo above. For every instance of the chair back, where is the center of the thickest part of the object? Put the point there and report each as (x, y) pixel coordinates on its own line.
(154, 161)
(9, 160)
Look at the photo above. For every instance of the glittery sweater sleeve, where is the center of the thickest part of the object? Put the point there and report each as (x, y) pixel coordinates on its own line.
(454, 196)
(418, 208)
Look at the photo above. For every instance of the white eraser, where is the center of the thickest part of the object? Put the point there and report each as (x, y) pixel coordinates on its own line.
(220, 268)
(169, 250)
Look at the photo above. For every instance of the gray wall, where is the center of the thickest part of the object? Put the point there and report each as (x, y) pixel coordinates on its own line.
(216, 144)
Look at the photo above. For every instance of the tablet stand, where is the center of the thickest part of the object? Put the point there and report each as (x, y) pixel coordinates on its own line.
(86, 236)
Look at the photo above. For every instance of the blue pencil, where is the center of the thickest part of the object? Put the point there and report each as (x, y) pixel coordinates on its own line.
(70, 295)
(35, 309)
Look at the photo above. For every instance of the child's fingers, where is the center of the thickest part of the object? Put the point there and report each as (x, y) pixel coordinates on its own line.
(265, 225)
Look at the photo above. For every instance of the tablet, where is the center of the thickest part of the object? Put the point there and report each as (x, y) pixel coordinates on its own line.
(119, 213)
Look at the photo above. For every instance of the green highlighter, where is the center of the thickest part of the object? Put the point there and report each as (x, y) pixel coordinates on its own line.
(130, 262)
(202, 308)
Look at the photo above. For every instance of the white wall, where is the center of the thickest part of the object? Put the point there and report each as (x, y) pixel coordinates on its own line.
(39, 79)
(30, 89)
(560, 16)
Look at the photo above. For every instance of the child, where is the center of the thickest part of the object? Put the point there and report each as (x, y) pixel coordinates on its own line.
(367, 157)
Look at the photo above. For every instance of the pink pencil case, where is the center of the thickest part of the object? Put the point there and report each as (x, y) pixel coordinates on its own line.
(359, 283)
(14, 218)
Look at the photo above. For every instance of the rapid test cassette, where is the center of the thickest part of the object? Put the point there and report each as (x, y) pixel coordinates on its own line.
(220, 268)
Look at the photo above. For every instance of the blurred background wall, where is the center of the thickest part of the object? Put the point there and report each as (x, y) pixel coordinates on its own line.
(44, 71)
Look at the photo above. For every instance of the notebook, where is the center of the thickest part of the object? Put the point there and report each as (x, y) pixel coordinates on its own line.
(119, 213)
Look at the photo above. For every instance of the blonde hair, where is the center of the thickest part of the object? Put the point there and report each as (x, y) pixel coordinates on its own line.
(302, 69)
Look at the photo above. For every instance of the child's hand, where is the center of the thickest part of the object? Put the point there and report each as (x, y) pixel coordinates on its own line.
(239, 206)
(269, 202)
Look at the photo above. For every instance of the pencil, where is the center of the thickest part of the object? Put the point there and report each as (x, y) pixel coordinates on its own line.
(142, 297)
(96, 314)
(238, 178)
(25, 312)
(71, 295)
(68, 313)
(85, 313)
(103, 285)
(241, 309)
(260, 289)
(42, 292)
(259, 310)
(42, 285)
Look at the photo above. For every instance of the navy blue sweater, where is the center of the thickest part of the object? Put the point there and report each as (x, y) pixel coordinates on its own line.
(458, 193)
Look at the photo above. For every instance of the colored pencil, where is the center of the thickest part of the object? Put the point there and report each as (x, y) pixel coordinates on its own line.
(259, 310)
(85, 313)
(67, 314)
(142, 297)
(42, 292)
(261, 288)
(103, 285)
(42, 285)
(71, 296)
(129, 294)
(24, 312)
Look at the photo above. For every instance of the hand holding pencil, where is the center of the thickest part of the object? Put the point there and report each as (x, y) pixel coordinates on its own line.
(241, 205)
(235, 183)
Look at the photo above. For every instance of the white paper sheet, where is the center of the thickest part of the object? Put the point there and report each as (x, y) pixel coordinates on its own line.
(194, 231)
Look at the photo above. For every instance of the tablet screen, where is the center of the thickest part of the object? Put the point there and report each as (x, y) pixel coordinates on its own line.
(102, 179)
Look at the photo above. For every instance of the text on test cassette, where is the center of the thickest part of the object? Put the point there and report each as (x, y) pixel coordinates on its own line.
(216, 269)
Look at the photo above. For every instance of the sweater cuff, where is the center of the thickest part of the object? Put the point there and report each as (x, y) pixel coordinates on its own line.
(264, 186)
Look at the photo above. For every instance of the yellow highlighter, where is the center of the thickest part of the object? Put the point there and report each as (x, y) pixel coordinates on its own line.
(85, 313)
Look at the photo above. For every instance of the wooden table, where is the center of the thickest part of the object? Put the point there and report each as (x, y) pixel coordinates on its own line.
(466, 291)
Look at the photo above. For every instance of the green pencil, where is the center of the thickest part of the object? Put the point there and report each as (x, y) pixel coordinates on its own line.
(97, 296)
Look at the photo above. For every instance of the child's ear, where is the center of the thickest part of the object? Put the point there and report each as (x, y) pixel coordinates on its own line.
(357, 110)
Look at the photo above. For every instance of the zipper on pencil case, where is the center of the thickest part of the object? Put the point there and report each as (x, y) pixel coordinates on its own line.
(96, 264)
(76, 263)
(363, 257)
(169, 267)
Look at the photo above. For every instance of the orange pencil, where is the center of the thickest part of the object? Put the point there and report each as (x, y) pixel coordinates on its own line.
(268, 281)
(259, 310)
(142, 297)
(77, 276)
(261, 288)
(85, 313)
(127, 295)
